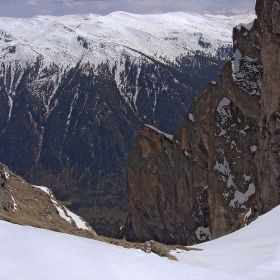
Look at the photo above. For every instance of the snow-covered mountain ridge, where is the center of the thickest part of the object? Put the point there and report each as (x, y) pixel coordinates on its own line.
(74, 91)
(68, 40)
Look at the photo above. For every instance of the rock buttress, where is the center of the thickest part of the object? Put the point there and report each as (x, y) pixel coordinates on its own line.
(160, 191)
(269, 151)
(221, 169)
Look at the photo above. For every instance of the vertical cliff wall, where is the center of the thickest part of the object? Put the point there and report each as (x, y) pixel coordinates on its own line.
(268, 13)
(221, 169)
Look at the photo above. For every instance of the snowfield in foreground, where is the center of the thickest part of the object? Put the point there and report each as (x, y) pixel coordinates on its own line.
(30, 253)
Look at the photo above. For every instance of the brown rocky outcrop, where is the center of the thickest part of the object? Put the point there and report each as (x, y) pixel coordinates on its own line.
(269, 150)
(221, 169)
(25, 204)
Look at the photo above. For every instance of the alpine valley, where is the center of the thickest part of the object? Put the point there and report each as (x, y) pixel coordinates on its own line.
(74, 91)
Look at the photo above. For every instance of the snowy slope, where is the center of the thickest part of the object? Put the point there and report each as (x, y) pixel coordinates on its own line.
(250, 253)
(69, 39)
(253, 251)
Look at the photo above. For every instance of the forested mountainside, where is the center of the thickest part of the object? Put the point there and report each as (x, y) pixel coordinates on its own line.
(74, 91)
(220, 170)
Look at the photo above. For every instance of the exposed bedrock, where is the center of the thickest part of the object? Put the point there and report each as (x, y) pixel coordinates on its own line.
(221, 169)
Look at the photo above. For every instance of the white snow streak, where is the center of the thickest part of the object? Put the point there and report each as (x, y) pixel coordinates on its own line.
(65, 213)
(248, 214)
(15, 204)
(168, 136)
(44, 189)
(80, 223)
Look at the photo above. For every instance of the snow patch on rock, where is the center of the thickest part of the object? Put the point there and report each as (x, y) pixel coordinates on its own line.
(191, 117)
(253, 148)
(15, 204)
(247, 73)
(65, 213)
(44, 189)
(247, 26)
(7, 175)
(240, 198)
(203, 234)
(248, 214)
(225, 173)
(224, 113)
(168, 136)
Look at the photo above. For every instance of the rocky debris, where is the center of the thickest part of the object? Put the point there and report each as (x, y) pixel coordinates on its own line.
(147, 246)
(5, 195)
(159, 249)
(221, 169)
(163, 250)
(25, 204)
(5, 199)
(156, 247)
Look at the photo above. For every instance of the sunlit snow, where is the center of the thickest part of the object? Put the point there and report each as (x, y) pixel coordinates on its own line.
(68, 39)
(90, 39)
(252, 252)
(31, 253)
(248, 26)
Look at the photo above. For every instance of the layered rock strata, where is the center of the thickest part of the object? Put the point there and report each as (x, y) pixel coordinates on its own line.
(221, 169)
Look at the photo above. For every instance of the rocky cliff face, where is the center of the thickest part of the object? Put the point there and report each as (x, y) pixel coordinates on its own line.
(74, 91)
(25, 204)
(221, 169)
(268, 157)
